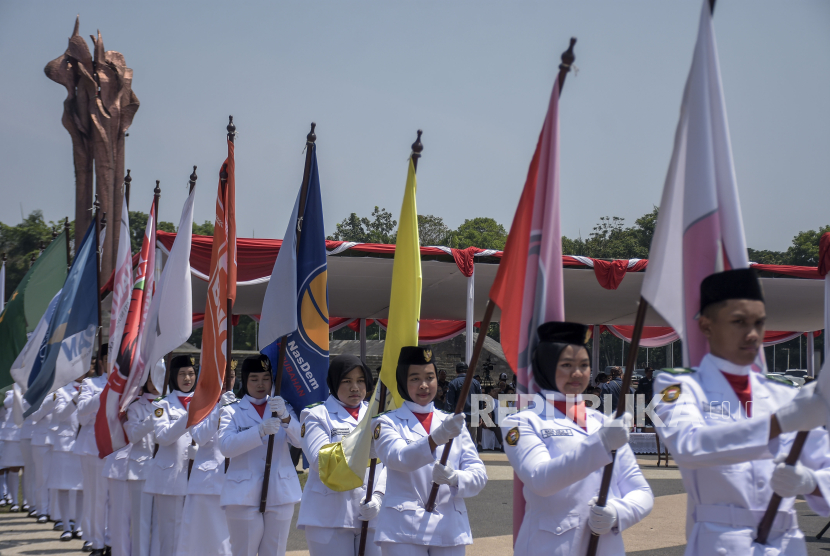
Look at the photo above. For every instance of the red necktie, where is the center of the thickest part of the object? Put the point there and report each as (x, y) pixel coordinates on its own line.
(185, 401)
(353, 411)
(743, 389)
(260, 409)
(576, 414)
(425, 420)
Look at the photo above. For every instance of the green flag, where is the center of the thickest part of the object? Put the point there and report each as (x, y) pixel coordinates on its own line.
(29, 301)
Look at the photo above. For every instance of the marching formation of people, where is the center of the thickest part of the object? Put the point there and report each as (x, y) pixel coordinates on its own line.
(179, 490)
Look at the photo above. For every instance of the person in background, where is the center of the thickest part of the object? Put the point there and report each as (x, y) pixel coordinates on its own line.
(613, 388)
(646, 388)
(11, 455)
(442, 380)
(454, 392)
(65, 474)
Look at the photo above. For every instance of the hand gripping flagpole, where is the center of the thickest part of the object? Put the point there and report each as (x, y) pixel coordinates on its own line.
(309, 144)
(567, 61)
(417, 149)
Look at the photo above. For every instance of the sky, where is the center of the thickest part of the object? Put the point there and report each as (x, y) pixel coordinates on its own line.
(475, 76)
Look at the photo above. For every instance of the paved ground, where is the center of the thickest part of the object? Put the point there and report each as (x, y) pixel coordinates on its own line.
(660, 534)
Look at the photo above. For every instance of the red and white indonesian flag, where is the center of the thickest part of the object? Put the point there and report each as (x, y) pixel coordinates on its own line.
(700, 229)
(122, 285)
(125, 379)
(528, 287)
(170, 317)
(221, 289)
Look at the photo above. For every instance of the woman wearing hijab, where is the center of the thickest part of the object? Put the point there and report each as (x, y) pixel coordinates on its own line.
(167, 478)
(244, 428)
(410, 442)
(559, 452)
(332, 520)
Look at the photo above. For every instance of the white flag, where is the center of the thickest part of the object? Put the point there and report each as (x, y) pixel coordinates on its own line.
(22, 366)
(122, 288)
(170, 317)
(700, 229)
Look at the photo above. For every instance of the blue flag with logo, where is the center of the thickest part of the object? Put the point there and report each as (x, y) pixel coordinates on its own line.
(296, 304)
(67, 347)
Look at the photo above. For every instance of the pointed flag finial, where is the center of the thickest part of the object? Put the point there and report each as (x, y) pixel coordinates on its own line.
(103, 220)
(231, 129)
(417, 149)
(311, 137)
(193, 178)
(157, 189)
(96, 205)
(568, 58)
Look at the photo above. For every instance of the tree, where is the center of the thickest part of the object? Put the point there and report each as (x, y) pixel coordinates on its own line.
(363, 230)
(433, 231)
(138, 225)
(804, 250)
(481, 232)
(205, 229)
(611, 239)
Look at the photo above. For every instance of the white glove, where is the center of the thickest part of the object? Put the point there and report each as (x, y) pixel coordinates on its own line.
(277, 405)
(791, 480)
(191, 451)
(228, 397)
(449, 429)
(601, 519)
(444, 474)
(370, 510)
(269, 426)
(614, 432)
(807, 411)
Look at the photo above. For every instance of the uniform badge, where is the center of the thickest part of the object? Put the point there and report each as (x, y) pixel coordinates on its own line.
(302, 431)
(671, 393)
(54, 396)
(376, 435)
(158, 412)
(427, 355)
(512, 437)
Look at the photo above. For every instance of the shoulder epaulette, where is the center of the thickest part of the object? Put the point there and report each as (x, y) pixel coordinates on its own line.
(782, 380)
(231, 403)
(314, 405)
(384, 412)
(679, 371)
(447, 412)
(160, 398)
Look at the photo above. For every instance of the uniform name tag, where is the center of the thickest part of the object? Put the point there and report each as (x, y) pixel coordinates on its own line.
(340, 432)
(715, 409)
(409, 441)
(240, 429)
(556, 432)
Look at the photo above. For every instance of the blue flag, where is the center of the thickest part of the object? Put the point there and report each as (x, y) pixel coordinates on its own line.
(67, 347)
(298, 284)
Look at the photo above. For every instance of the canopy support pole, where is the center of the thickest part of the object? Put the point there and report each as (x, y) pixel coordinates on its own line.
(595, 353)
(363, 340)
(811, 355)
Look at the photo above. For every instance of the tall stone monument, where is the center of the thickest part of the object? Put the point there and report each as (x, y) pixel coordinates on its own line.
(99, 108)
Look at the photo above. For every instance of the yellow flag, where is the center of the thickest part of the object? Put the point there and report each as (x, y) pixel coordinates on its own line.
(405, 300)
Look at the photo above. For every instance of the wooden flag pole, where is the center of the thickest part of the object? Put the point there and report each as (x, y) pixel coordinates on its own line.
(309, 144)
(417, 149)
(631, 362)
(229, 352)
(193, 178)
(567, 58)
(772, 509)
(68, 253)
(96, 209)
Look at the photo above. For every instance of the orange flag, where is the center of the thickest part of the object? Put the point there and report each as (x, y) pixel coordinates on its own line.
(221, 290)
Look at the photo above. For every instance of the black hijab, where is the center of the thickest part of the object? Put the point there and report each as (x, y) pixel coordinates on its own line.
(410, 355)
(554, 337)
(342, 365)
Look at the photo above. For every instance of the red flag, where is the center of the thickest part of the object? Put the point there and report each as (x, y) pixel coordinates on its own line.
(126, 375)
(221, 289)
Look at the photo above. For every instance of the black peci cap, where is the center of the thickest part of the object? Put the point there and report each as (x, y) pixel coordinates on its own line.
(181, 361)
(415, 355)
(741, 283)
(256, 364)
(564, 333)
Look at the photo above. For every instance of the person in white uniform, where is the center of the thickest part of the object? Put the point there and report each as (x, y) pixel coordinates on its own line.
(26, 431)
(65, 475)
(332, 520)
(167, 478)
(116, 471)
(410, 442)
(559, 449)
(728, 427)
(204, 530)
(94, 511)
(139, 429)
(244, 428)
(42, 456)
(11, 455)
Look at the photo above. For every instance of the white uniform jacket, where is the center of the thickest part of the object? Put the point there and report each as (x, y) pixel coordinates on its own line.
(9, 430)
(139, 429)
(88, 402)
(726, 458)
(44, 416)
(239, 440)
(561, 466)
(65, 416)
(208, 474)
(402, 445)
(325, 423)
(168, 470)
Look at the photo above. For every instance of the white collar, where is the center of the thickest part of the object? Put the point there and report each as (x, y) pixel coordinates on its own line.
(728, 367)
(254, 401)
(181, 394)
(560, 397)
(150, 397)
(344, 405)
(415, 408)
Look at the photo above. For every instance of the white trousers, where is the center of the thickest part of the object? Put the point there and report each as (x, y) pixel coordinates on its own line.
(12, 485)
(169, 510)
(401, 549)
(70, 502)
(42, 456)
(254, 533)
(118, 517)
(141, 518)
(28, 472)
(338, 541)
(204, 530)
(95, 501)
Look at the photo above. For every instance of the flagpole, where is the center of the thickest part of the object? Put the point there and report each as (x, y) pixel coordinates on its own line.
(631, 362)
(310, 139)
(567, 58)
(193, 178)
(417, 149)
(97, 205)
(68, 253)
(127, 179)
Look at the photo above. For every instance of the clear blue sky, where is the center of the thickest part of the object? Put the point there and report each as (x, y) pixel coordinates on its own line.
(475, 76)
